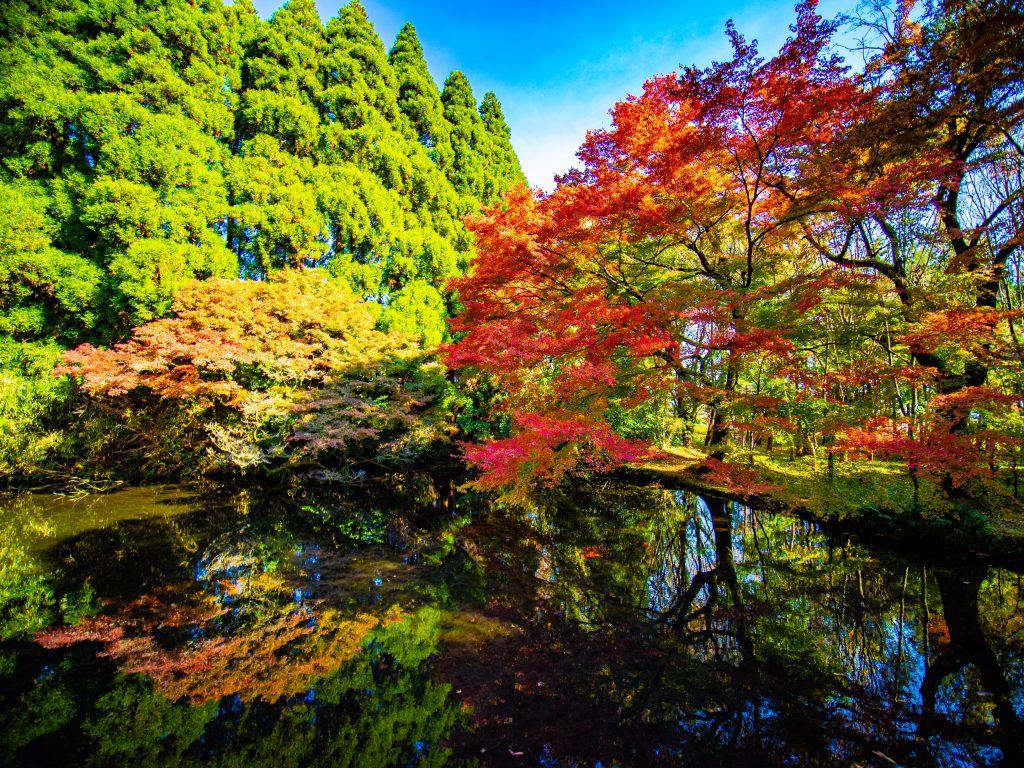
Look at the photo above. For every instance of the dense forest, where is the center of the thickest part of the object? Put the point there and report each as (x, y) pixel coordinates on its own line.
(148, 145)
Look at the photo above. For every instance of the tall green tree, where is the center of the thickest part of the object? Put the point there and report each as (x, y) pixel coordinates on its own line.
(419, 98)
(468, 171)
(275, 219)
(503, 169)
(395, 219)
(116, 112)
(363, 155)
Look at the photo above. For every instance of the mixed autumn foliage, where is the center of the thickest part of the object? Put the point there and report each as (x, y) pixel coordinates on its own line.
(256, 374)
(770, 255)
(774, 252)
(145, 145)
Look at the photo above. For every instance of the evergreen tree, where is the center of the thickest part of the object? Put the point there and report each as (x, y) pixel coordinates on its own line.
(44, 292)
(275, 219)
(418, 310)
(114, 112)
(362, 122)
(363, 155)
(280, 77)
(149, 143)
(394, 216)
(503, 169)
(418, 97)
(469, 139)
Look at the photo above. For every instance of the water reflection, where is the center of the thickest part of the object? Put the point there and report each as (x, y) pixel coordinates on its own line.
(408, 624)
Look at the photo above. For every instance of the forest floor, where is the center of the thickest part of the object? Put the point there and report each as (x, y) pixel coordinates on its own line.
(876, 495)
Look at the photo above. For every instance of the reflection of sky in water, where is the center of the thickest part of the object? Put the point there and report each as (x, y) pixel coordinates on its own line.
(881, 652)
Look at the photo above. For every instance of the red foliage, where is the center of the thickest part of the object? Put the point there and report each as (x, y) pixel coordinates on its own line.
(971, 329)
(86, 631)
(734, 478)
(548, 446)
(929, 446)
(669, 253)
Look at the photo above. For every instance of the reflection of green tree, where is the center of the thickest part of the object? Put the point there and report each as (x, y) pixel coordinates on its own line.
(46, 708)
(32, 596)
(584, 554)
(377, 709)
(26, 596)
(369, 705)
(133, 724)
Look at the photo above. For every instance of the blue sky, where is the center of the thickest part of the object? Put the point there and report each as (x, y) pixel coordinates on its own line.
(559, 66)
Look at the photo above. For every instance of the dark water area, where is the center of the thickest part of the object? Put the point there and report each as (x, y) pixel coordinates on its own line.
(407, 623)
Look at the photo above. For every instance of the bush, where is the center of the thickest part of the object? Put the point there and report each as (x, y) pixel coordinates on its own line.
(33, 403)
(257, 376)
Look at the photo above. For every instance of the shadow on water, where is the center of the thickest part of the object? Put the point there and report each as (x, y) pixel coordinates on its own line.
(409, 624)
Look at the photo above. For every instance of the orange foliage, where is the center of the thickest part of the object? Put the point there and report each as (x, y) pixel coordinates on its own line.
(297, 328)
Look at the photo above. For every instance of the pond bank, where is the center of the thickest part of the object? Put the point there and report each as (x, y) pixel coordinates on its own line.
(862, 499)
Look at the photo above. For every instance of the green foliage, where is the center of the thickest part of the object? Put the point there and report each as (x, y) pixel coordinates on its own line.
(133, 723)
(44, 291)
(418, 310)
(46, 708)
(32, 404)
(473, 403)
(362, 526)
(468, 172)
(964, 529)
(503, 169)
(418, 97)
(148, 145)
(652, 421)
(24, 598)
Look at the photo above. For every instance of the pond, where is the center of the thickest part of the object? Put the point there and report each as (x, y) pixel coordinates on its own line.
(408, 623)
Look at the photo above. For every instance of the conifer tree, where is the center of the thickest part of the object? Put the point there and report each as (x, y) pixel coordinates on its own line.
(406, 216)
(358, 103)
(280, 76)
(362, 154)
(503, 169)
(275, 219)
(154, 143)
(44, 292)
(418, 97)
(467, 172)
(126, 156)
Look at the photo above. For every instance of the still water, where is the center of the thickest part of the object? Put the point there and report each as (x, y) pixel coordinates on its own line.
(411, 624)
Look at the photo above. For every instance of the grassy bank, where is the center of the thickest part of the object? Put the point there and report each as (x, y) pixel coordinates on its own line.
(870, 498)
